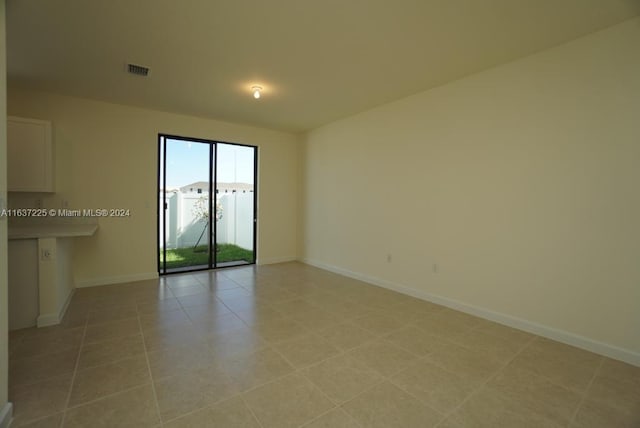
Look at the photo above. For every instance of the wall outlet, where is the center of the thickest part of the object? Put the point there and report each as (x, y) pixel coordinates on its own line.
(436, 268)
(47, 254)
(388, 258)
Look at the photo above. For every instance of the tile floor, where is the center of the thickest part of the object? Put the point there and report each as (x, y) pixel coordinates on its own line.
(293, 346)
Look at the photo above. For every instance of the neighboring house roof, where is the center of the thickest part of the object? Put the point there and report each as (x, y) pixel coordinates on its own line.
(222, 187)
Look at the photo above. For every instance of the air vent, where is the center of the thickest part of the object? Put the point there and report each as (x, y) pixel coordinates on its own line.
(138, 69)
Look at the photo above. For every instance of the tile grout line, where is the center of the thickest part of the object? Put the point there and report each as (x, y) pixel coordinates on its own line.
(483, 384)
(586, 392)
(75, 372)
(146, 357)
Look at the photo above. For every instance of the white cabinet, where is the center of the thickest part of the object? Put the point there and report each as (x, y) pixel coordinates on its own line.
(29, 155)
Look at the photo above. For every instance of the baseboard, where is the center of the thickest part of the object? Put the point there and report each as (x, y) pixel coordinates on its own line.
(64, 308)
(107, 280)
(275, 260)
(578, 341)
(6, 414)
(46, 320)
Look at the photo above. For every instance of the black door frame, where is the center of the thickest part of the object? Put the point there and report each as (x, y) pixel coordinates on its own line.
(213, 186)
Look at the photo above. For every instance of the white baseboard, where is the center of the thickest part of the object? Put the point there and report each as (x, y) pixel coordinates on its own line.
(45, 320)
(274, 260)
(107, 280)
(6, 414)
(64, 308)
(578, 341)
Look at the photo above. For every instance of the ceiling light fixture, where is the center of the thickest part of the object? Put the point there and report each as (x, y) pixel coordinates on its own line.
(256, 91)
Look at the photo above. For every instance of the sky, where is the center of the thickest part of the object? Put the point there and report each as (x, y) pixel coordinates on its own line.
(188, 162)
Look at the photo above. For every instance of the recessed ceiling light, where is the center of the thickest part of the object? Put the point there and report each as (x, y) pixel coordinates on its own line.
(256, 91)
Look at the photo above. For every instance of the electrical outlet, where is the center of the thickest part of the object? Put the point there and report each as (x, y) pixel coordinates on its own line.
(436, 268)
(388, 258)
(46, 255)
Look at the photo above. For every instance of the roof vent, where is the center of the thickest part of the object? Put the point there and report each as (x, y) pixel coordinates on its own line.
(139, 70)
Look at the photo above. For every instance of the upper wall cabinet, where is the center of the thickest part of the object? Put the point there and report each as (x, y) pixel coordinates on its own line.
(29, 155)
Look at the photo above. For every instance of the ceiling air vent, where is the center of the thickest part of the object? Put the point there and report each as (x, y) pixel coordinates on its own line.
(138, 70)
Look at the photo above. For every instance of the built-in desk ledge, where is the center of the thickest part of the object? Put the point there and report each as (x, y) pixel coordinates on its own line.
(37, 228)
(43, 245)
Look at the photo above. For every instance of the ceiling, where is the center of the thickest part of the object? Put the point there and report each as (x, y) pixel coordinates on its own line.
(318, 61)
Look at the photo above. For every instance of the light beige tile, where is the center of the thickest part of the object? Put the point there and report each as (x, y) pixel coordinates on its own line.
(232, 413)
(133, 408)
(35, 369)
(181, 281)
(279, 329)
(96, 382)
(163, 319)
(273, 294)
(157, 305)
(438, 388)
(188, 290)
(288, 402)
(115, 313)
(53, 421)
(504, 332)
(464, 362)
(568, 366)
(617, 385)
(39, 400)
(447, 323)
(536, 394)
(305, 350)
(257, 368)
(236, 343)
(298, 306)
(196, 389)
(95, 354)
(180, 359)
(496, 347)
(415, 340)
(387, 406)
(346, 336)
(597, 414)
(257, 314)
(202, 299)
(243, 303)
(421, 307)
(111, 330)
(220, 324)
(336, 418)
(206, 311)
(492, 410)
(47, 342)
(385, 358)
(348, 309)
(316, 319)
(378, 324)
(177, 335)
(341, 378)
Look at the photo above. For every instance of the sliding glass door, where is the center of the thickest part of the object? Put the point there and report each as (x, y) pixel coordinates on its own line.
(195, 229)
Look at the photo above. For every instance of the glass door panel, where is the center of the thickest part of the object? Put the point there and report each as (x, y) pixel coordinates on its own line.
(235, 204)
(184, 211)
(196, 231)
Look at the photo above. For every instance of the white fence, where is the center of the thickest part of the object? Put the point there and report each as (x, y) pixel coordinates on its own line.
(184, 227)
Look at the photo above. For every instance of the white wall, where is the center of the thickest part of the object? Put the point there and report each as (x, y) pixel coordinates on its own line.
(5, 409)
(106, 157)
(521, 183)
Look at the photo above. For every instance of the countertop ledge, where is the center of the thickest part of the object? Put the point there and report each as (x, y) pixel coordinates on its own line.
(51, 231)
